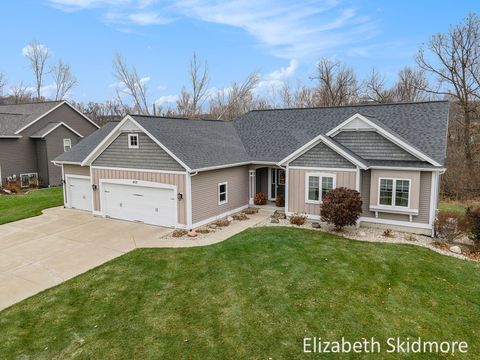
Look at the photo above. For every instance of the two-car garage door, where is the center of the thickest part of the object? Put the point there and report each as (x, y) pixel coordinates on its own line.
(140, 201)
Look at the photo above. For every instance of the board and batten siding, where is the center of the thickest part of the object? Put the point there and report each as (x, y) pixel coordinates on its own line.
(322, 156)
(205, 192)
(296, 188)
(372, 145)
(179, 180)
(422, 201)
(149, 155)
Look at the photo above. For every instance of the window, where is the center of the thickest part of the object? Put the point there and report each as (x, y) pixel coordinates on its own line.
(317, 185)
(67, 144)
(133, 141)
(222, 193)
(29, 179)
(394, 192)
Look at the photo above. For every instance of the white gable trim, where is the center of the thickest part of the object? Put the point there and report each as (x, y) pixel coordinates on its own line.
(330, 144)
(116, 131)
(405, 146)
(52, 110)
(55, 127)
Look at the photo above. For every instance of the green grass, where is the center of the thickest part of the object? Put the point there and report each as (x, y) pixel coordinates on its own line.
(457, 206)
(254, 296)
(17, 207)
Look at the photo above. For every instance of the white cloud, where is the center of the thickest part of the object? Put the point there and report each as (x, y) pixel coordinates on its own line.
(27, 50)
(166, 99)
(277, 78)
(301, 29)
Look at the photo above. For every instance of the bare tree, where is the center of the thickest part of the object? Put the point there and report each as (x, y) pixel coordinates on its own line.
(374, 88)
(410, 85)
(130, 84)
(20, 93)
(37, 54)
(455, 64)
(199, 82)
(63, 78)
(3, 83)
(337, 83)
(235, 100)
(184, 102)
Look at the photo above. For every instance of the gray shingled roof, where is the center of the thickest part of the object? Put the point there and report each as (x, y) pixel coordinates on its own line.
(41, 133)
(81, 150)
(15, 117)
(270, 135)
(198, 143)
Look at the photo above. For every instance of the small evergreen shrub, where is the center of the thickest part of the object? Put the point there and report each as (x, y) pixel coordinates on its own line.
(341, 207)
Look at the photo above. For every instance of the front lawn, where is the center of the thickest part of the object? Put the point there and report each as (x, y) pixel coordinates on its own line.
(457, 206)
(254, 296)
(17, 207)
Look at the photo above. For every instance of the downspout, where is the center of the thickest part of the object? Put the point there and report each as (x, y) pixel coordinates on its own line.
(189, 199)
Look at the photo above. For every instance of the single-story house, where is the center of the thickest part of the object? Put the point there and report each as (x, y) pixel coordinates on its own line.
(185, 173)
(33, 134)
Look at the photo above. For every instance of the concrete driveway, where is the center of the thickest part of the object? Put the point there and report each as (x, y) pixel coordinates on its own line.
(40, 252)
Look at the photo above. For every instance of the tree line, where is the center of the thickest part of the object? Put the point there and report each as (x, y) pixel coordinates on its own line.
(447, 67)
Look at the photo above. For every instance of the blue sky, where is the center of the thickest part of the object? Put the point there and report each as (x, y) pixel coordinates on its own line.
(280, 39)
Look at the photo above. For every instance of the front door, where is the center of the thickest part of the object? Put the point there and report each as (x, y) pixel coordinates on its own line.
(277, 183)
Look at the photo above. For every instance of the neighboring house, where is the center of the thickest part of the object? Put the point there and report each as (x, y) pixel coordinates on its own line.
(185, 173)
(33, 134)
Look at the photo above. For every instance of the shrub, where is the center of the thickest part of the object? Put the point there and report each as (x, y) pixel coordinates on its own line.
(341, 207)
(250, 210)
(388, 233)
(179, 233)
(13, 187)
(473, 218)
(450, 225)
(222, 222)
(240, 216)
(260, 199)
(280, 201)
(297, 219)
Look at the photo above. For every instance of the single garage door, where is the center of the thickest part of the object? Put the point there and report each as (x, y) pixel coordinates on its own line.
(149, 204)
(79, 193)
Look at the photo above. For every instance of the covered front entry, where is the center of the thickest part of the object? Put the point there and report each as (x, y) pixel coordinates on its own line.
(135, 200)
(267, 180)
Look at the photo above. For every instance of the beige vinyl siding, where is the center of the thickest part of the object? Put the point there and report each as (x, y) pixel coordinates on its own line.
(296, 188)
(179, 180)
(422, 199)
(76, 170)
(205, 192)
(413, 176)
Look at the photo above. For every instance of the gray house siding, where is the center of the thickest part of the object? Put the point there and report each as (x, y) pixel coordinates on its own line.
(54, 147)
(18, 156)
(321, 156)
(148, 156)
(372, 145)
(42, 164)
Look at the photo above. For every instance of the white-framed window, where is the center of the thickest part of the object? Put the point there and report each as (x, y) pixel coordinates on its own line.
(317, 185)
(133, 141)
(222, 193)
(28, 179)
(394, 192)
(67, 144)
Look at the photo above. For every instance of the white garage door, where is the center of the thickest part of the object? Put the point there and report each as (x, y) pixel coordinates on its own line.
(79, 193)
(151, 205)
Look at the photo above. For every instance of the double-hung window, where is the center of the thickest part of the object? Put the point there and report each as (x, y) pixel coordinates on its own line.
(67, 144)
(394, 192)
(222, 193)
(317, 185)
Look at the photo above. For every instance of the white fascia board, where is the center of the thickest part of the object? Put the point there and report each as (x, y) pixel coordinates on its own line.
(223, 166)
(386, 134)
(66, 162)
(10, 136)
(40, 117)
(55, 127)
(327, 142)
(406, 168)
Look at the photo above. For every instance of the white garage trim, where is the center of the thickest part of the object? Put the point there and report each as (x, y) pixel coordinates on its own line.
(136, 183)
(68, 196)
